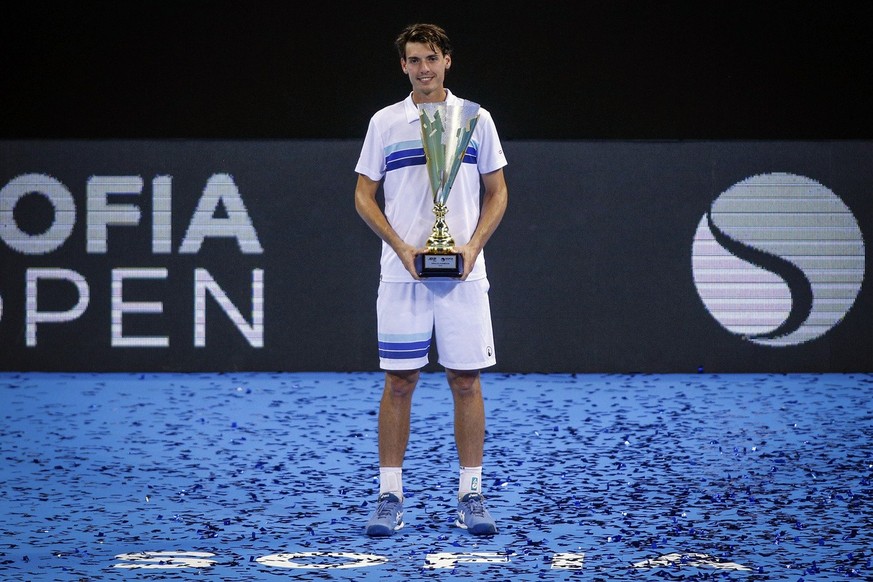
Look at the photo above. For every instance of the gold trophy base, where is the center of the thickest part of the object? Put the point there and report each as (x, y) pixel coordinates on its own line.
(440, 260)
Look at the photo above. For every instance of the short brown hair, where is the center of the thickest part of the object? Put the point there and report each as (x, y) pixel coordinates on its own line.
(429, 34)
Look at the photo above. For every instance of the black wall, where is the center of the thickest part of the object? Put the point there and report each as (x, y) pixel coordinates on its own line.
(616, 69)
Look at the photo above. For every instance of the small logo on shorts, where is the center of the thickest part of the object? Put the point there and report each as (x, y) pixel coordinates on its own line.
(489, 351)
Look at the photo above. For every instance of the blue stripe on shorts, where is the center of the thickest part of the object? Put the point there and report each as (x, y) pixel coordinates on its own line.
(398, 348)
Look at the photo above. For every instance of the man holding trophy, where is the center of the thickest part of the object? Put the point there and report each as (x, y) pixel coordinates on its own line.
(432, 153)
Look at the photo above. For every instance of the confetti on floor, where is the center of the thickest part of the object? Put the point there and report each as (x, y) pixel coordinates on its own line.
(269, 476)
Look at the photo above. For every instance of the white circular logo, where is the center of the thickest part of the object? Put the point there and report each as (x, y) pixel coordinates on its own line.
(778, 259)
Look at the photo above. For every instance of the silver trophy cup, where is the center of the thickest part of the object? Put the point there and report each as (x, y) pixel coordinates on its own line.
(445, 134)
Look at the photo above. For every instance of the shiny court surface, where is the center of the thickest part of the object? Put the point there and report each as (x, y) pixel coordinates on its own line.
(260, 476)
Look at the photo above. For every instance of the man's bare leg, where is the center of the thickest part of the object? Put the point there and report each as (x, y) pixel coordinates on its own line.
(469, 416)
(394, 413)
(470, 440)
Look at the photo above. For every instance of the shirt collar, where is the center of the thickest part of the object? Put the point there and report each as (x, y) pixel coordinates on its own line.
(412, 108)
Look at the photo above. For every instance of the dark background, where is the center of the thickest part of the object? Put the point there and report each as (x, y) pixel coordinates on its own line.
(622, 122)
(610, 69)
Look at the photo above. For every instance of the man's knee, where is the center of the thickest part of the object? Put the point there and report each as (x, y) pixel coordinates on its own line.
(464, 382)
(400, 384)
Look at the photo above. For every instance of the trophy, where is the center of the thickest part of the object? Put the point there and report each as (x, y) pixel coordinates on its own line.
(445, 133)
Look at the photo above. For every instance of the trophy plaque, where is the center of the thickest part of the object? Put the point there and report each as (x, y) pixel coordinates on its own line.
(445, 134)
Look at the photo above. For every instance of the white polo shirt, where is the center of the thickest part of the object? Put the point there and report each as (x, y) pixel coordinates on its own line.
(393, 151)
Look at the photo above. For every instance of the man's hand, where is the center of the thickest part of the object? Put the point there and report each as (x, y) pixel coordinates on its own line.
(407, 253)
(470, 254)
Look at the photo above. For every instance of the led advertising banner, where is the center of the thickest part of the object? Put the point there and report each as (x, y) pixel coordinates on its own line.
(173, 255)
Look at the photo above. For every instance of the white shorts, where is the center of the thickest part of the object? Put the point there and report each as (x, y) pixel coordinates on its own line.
(457, 313)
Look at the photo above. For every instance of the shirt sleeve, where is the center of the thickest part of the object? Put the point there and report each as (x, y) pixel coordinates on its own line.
(491, 156)
(371, 161)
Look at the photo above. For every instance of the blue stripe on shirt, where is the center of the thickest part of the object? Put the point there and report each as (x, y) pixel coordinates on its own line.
(415, 157)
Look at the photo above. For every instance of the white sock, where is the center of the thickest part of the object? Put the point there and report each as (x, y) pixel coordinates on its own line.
(391, 481)
(470, 481)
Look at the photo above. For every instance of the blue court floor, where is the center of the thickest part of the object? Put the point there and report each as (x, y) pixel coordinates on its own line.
(261, 476)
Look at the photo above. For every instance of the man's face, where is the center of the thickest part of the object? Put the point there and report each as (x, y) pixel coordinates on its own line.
(426, 67)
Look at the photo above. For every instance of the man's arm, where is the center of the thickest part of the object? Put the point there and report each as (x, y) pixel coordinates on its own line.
(494, 202)
(369, 210)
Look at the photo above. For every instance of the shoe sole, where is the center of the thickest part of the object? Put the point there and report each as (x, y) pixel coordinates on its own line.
(383, 530)
(482, 529)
